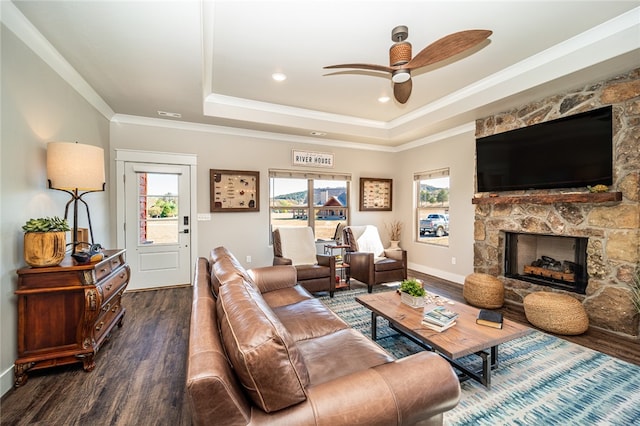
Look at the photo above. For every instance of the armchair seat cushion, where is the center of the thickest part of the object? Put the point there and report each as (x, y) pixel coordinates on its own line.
(386, 264)
(309, 272)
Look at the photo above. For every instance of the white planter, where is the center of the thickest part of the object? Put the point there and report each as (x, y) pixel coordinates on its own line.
(414, 302)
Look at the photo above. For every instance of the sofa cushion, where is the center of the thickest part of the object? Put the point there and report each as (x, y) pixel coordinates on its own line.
(263, 354)
(286, 296)
(340, 354)
(224, 268)
(308, 319)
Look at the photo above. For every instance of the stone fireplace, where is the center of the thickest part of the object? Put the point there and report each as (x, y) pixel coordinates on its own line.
(598, 232)
(554, 261)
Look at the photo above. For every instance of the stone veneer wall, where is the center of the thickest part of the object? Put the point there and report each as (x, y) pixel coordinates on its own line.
(612, 228)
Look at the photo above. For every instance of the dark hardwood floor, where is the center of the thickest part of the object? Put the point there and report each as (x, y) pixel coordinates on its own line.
(140, 373)
(600, 340)
(139, 377)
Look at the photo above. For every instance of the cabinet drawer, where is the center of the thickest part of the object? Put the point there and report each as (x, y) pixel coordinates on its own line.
(106, 319)
(114, 283)
(116, 262)
(102, 270)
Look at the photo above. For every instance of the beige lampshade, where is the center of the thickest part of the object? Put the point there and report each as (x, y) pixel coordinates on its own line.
(75, 166)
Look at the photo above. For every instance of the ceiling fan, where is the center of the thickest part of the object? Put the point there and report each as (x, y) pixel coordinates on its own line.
(401, 64)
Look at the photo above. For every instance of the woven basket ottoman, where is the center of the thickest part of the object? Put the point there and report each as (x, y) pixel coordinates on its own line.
(483, 291)
(555, 312)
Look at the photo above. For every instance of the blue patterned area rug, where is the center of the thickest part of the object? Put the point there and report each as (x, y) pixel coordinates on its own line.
(541, 379)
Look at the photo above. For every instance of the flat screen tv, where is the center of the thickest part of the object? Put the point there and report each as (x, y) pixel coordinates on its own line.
(570, 152)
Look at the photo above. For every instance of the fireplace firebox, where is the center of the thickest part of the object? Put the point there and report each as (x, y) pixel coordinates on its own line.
(549, 260)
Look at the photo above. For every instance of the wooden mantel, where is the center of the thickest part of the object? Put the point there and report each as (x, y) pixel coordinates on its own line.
(577, 197)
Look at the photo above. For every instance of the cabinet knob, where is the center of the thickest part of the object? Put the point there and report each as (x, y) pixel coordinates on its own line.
(106, 307)
(108, 287)
(99, 326)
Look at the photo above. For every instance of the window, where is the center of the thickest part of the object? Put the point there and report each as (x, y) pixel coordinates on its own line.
(158, 203)
(432, 206)
(318, 200)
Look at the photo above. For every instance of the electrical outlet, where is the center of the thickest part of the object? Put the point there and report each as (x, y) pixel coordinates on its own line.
(453, 260)
(204, 216)
(248, 259)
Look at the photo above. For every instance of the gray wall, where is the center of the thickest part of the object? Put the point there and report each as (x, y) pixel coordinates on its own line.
(247, 234)
(37, 107)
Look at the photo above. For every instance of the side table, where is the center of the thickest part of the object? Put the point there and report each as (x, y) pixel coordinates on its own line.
(342, 264)
(66, 312)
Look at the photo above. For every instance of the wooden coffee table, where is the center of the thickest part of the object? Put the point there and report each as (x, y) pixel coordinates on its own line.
(464, 338)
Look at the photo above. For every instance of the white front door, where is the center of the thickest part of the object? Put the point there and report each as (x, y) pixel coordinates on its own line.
(157, 224)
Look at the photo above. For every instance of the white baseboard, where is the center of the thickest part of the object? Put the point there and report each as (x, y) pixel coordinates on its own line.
(456, 278)
(6, 381)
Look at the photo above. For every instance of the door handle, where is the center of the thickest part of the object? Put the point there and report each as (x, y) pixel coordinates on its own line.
(186, 231)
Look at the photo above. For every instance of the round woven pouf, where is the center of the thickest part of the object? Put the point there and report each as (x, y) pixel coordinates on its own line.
(483, 291)
(555, 312)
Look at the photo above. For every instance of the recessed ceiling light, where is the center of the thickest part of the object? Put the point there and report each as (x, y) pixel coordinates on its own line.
(384, 99)
(314, 133)
(169, 114)
(278, 76)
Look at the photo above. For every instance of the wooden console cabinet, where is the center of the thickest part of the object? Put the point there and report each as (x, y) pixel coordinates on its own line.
(66, 312)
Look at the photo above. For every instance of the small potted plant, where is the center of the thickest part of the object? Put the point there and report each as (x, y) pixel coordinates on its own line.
(45, 241)
(412, 293)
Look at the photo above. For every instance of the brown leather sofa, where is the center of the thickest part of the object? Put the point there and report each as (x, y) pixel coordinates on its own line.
(263, 351)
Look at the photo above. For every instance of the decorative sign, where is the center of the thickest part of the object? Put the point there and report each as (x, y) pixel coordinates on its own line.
(313, 159)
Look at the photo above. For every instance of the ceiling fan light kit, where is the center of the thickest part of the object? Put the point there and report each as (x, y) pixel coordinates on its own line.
(401, 63)
(400, 76)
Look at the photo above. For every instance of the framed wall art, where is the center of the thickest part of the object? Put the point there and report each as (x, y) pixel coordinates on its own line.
(234, 191)
(375, 194)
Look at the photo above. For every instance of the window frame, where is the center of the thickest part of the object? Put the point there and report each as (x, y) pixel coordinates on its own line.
(310, 208)
(418, 178)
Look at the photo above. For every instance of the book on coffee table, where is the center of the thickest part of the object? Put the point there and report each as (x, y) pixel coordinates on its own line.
(439, 316)
(489, 318)
(438, 328)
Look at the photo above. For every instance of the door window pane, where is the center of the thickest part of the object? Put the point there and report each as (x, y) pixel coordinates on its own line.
(158, 208)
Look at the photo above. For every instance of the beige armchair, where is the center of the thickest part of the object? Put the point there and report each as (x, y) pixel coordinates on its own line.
(370, 262)
(296, 246)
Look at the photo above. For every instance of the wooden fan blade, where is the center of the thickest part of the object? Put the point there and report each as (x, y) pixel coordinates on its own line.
(402, 91)
(362, 66)
(447, 47)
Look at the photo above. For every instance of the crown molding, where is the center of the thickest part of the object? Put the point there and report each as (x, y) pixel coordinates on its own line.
(18, 24)
(242, 132)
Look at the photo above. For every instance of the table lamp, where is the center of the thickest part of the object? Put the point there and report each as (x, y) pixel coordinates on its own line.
(76, 169)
